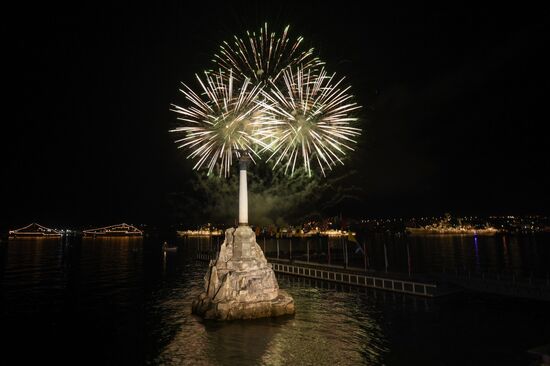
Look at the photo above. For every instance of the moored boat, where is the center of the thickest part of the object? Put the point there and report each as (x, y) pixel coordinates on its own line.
(431, 230)
(34, 230)
(202, 232)
(121, 230)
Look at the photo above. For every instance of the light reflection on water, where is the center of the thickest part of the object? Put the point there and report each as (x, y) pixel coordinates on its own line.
(520, 255)
(330, 328)
(124, 301)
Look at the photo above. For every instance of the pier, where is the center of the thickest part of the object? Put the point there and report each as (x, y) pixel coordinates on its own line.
(417, 285)
(429, 285)
(356, 277)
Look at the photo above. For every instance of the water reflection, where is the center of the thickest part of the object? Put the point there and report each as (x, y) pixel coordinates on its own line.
(506, 261)
(331, 327)
(476, 253)
(421, 254)
(122, 301)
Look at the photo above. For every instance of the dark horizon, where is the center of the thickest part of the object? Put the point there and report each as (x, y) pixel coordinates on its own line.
(453, 106)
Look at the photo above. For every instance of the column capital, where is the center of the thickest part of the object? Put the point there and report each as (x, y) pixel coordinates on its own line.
(244, 160)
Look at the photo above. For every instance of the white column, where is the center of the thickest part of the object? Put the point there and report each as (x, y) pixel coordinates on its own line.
(243, 193)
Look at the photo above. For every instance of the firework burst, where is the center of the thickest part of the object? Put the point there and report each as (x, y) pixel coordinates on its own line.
(264, 56)
(269, 95)
(224, 118)
(309, 118)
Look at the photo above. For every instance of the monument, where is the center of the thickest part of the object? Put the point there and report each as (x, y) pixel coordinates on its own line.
(269, 95)
(239, 283)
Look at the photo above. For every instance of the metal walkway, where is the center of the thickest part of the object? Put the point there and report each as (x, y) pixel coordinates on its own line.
(357, 277)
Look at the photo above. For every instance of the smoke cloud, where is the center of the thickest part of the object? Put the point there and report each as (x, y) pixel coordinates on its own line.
(273, 197)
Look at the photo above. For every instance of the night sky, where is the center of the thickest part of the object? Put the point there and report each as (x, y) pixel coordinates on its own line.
(455, 105)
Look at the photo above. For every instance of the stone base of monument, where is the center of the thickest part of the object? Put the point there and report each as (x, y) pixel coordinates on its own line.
(240, 284)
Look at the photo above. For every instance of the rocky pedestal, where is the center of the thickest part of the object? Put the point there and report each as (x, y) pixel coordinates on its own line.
(240, 284)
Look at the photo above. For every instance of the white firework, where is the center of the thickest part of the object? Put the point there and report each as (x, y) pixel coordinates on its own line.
(223, 119)
(310, 116)
(263, 56)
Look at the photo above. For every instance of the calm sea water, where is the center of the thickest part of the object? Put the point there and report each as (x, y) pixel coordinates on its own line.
(123, 301)
(526, 255)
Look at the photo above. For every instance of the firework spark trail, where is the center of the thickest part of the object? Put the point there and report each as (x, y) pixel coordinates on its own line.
(308, 115)
(264, 56)
(220, 121)
(268, 95)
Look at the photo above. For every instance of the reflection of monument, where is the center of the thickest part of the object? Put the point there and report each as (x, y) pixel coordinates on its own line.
(240, 284)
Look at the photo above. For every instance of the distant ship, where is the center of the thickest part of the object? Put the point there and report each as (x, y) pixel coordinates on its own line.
(199, 232)
(114, 230)
(444, 227)
(461, 230)
(35, 230)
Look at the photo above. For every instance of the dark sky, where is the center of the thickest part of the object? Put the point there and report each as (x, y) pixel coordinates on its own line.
(455, 104)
